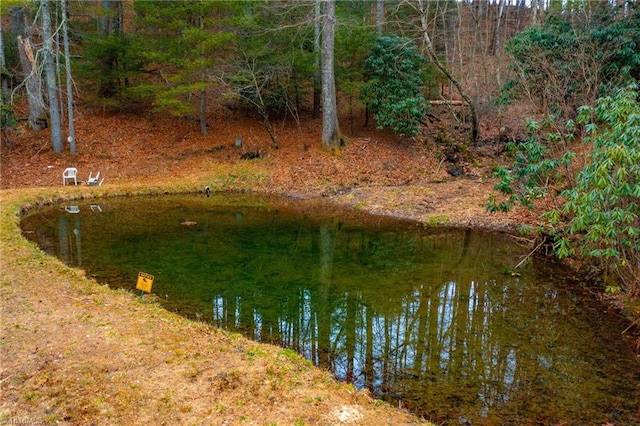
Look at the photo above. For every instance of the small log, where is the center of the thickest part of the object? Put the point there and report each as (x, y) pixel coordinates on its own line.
(452, 103)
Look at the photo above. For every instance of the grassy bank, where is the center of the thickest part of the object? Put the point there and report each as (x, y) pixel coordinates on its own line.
(76, 352)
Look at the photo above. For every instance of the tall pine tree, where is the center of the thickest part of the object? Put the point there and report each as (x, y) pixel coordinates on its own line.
(182, 39)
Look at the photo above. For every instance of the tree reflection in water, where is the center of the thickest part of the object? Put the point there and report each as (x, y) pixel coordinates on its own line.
(431, 318)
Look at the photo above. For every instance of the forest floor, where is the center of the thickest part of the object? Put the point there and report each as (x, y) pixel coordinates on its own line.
(376, 171)
(74, 352)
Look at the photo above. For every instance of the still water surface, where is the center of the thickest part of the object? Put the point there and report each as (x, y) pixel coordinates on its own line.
(435, 320)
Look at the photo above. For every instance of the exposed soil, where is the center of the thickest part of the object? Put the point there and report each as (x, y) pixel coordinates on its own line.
(376, 171)
(74, 352)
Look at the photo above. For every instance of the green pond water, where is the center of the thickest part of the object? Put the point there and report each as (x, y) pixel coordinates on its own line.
(433, 320)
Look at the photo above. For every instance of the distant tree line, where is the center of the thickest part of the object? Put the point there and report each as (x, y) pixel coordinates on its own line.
(265, 56)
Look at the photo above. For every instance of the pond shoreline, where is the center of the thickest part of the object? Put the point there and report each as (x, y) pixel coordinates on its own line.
(318, 268)
(77, 352)
(56, 337)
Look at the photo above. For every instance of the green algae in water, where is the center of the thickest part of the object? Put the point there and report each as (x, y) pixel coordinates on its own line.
(431, 318)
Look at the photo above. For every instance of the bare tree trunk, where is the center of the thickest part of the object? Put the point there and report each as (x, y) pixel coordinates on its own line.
(6, 114)
(434, 57)
(50, 72)
(203, 112)
(379, 31)
(32, 84)
(67, 60)
(4, 90)
(203, 94)
(496, 35)
(30, 74)
(113, 18)
(379, 17)
(105, 18)
(521, 10)
(269, 128)
(317, 80)
(332, 139)
(56, 56)
(534, 11)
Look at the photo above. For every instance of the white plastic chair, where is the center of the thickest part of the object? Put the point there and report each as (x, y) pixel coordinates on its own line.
(93, 180)
(70, 173)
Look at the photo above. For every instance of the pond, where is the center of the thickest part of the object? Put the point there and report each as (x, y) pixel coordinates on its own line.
(435, 320)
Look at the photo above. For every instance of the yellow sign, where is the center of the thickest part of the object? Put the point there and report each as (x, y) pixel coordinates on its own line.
(145, 281)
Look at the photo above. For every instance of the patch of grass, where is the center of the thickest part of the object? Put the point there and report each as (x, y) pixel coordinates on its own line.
(238, 177)
(529, 230)
(438, 220)
(316, 400)
(361, 205)
(51, 419)
(289, 354)
(99, 400)
(255, 352)
(32, 395)
(193, 374)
